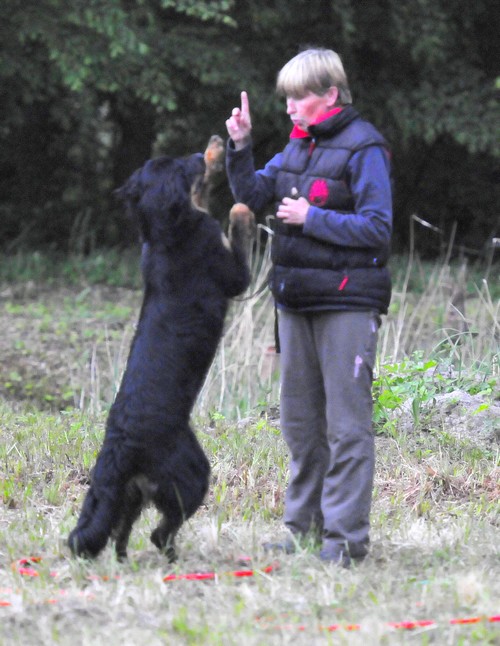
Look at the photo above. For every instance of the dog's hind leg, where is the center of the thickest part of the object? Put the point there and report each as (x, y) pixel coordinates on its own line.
(170, 500)
(181, 503)
(138, 492)
(181, 489)
(163, 537)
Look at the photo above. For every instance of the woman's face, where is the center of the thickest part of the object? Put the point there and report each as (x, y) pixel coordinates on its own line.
(308, 109)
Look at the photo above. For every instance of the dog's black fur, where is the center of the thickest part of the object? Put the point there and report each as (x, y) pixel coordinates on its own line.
(190, 269)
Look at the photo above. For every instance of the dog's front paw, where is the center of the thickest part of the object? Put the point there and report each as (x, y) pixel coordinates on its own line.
(241, 214)
(214, 155)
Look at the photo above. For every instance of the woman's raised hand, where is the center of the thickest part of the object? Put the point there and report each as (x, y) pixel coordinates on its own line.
(239, 124)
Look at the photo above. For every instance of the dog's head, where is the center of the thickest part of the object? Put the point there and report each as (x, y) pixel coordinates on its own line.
(159, 193)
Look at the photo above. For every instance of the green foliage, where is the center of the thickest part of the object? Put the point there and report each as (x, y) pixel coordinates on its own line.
(417, 381)
(110, 47)
(211, 10)
(27, 270)
(93, 88)
(397, 383)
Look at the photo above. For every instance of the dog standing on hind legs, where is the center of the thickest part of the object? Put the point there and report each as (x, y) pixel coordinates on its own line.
(150, 453)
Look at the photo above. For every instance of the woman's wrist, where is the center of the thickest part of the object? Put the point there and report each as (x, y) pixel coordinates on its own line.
(239, 144)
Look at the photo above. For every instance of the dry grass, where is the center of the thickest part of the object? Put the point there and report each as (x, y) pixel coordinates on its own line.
(434, 551)
(66, 346)
(436, 512)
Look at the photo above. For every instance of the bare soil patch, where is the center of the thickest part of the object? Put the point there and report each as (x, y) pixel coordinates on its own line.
(64, 347)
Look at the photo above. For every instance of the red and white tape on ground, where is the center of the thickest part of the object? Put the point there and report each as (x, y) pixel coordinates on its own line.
(24, 567)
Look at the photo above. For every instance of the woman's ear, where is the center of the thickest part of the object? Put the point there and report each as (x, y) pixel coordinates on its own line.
(332, 95)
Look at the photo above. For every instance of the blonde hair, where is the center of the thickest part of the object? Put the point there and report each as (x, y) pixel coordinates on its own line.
(316, 71)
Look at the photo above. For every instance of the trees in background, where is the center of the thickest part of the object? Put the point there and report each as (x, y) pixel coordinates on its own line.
(92, 88)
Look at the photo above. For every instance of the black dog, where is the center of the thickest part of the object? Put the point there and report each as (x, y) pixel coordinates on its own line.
(190, 269)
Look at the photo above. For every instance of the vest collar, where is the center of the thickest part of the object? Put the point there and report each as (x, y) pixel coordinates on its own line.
(329, 124)
(298, 133)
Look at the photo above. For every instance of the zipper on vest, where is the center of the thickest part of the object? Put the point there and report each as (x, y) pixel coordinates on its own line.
(312, 146)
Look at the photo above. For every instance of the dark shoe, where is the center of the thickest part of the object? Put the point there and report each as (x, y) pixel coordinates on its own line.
(288, 546)
(335, 555)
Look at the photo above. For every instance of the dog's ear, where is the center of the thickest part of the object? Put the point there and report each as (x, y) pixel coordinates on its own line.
(130, 195)
(130, 192)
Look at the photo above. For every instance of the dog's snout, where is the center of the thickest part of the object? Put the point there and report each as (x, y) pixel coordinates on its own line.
(198, 163)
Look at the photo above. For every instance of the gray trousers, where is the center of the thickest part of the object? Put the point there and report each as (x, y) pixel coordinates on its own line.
(327, 361)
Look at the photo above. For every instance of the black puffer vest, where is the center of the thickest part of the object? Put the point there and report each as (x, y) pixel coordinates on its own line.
(309, 274)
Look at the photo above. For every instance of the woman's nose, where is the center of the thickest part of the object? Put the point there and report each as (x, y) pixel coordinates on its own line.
(290, 106)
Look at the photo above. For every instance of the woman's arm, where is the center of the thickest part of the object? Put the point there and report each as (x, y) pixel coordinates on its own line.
(253, 188)
(370, 225)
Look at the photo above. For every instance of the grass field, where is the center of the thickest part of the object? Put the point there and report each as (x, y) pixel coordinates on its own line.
(435, 557)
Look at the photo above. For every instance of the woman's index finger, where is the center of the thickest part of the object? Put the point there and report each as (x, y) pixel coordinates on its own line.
(245, 106)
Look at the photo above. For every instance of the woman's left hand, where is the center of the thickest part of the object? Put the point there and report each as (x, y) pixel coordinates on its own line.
(293, 211)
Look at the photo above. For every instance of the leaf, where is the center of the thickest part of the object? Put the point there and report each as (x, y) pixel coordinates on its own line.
(480, 408)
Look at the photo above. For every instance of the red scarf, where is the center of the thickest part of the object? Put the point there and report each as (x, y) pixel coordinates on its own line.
(298, 133)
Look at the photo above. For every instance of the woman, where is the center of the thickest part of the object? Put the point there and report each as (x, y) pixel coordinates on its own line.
(332, 195)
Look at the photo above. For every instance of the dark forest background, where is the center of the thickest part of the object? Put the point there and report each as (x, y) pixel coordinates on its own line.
(92, 88)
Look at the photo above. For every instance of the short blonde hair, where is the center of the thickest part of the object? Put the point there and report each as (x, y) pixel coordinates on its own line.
(314, 70)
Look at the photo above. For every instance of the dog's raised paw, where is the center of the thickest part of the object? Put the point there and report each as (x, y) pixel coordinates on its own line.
(214, 154)
(241, 214)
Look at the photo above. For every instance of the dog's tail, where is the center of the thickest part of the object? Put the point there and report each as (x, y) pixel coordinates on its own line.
(101, 508)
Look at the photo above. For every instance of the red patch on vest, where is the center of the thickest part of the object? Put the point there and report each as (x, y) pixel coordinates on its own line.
(318, 193)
